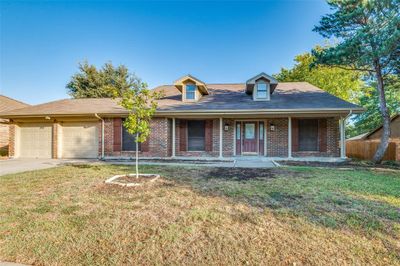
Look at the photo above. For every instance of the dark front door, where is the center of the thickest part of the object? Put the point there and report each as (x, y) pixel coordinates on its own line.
(249, 137)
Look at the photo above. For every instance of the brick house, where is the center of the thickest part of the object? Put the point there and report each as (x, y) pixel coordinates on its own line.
(7, 104)
(260, 117)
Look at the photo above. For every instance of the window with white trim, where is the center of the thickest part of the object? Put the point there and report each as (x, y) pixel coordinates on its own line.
(262, 90)
(190, 92)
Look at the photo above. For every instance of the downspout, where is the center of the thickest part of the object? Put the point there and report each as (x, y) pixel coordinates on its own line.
(102, 134)
(350, 113)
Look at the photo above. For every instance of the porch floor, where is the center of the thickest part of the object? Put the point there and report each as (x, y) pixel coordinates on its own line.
(240, 162)
(237, 161)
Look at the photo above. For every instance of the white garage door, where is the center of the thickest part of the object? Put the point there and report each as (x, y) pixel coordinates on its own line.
(79, 140)
(35, 141)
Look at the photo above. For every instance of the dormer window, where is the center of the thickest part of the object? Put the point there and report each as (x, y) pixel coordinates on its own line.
(190, 92)
(192, 89)
(262, 90)
(261, 87)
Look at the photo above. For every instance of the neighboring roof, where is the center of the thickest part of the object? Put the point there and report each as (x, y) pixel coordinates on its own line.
(222, 98)
(88, 106)
(7, 104)
(358, 137)
(378, 128)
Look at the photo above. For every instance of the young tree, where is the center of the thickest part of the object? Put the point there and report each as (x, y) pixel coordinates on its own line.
(141, 104)
(369, 41)
(91, 82)
(331, 79)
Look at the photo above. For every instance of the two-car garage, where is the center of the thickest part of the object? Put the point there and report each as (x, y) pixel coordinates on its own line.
(67, 139)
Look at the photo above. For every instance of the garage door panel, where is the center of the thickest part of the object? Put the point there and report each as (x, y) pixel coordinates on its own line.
(35, 141)
(79, 140)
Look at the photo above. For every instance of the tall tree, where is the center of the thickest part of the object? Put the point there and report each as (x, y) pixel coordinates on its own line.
(330, 78)
(371, 118)
(106, 82)
(369, 41)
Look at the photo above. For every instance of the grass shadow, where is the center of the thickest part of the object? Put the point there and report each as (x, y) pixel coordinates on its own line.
(322, 196)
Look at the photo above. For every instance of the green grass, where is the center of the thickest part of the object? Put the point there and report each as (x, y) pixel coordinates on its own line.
(200, 215)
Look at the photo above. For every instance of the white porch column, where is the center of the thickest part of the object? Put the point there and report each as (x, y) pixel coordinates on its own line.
(220, 137)
(173, 137)
(342, 138)
(290, 137)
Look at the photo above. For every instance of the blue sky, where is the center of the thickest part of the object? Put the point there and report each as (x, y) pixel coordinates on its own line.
(41, 42)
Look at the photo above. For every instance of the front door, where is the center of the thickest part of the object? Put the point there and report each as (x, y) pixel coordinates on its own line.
(250, 137)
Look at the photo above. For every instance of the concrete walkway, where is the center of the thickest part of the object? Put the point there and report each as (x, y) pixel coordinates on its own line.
(13, 166)
(245, 162)
(254, 162)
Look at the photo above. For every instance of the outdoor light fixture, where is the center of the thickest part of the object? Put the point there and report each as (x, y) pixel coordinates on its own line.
(272, 127)
(226, 127)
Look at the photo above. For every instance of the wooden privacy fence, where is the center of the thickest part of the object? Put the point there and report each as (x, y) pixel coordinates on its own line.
(365, 150)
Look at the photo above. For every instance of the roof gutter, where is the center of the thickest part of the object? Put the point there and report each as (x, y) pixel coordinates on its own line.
(261, 111)
(102, 134)
(206, 112)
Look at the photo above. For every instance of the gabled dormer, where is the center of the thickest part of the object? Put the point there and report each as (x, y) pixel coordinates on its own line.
(261, 87)
(192, 89)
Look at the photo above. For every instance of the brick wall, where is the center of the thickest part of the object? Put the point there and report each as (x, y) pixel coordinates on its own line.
(108, 136)
(157, 143)
(277, 140)
(169, 137)
(227, 137)
(54, 144)
(99, 135)
(11, 142)
(160, 140)
(333, 137)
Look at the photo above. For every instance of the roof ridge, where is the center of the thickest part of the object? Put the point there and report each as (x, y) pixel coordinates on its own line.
(14, 99)
(237, 83)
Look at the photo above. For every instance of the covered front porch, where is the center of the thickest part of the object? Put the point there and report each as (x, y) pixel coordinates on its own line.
(290, 137)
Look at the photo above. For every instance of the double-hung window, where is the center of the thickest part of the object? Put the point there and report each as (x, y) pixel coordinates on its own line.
(262, 90)
(190, 92)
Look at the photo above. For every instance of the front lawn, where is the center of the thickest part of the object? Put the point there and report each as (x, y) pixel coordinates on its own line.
(200, 215)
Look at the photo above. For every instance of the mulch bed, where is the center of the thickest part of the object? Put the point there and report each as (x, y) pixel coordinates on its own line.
(132, 179)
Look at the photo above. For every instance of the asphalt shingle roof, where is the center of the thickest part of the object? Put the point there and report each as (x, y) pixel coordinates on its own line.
(287, 95)
(7, 104)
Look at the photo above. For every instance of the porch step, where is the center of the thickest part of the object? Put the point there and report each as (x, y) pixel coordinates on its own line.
(253, 162)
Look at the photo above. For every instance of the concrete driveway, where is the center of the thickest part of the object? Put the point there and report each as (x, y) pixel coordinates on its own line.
(13, 166)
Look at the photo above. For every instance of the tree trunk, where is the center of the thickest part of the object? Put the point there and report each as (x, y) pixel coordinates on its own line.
(380, 152)
(137, 156)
